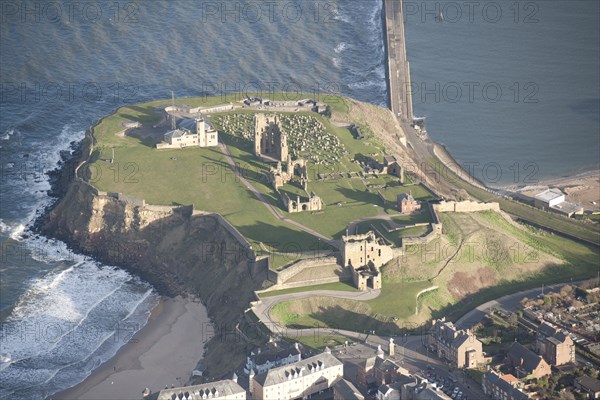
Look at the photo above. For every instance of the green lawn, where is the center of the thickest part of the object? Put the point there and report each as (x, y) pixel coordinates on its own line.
(345, 199)
(198, 176)
(319, 342)
(418, 191)
(203, 177)
(578, 229)
(397, 300)
(342, 286)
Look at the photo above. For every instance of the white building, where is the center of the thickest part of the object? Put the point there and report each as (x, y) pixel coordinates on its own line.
(298, 380)
(549, 198)
(227, 389)
(554, 200)
(272, 355)
(197, 132)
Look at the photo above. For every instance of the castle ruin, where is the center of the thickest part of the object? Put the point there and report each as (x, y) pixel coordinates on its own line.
(269, 141)
(313, 203)
(365, 254)
(278, 177)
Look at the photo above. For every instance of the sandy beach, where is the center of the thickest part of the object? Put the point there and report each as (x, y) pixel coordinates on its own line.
(164, 352)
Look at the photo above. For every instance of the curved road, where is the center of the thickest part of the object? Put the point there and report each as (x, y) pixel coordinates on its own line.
(508, 303)
(263, 307)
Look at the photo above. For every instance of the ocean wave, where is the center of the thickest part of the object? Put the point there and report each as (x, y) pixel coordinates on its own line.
(366, 84)
(66, 317)
(8, 134)
(14, 230)
(340, 47)
(338, 16)
(28, 182)
(4, 227)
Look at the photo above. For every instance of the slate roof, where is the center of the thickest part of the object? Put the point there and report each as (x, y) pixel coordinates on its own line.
(308, 366)
(523, 357)
(175, 133)
(589, 383)
(504, 385)
(551, 333)
(347, 390)
(389, 159)
(273, 353)
(216, 390)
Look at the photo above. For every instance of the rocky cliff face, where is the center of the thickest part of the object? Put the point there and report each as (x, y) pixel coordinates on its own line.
(177, 252)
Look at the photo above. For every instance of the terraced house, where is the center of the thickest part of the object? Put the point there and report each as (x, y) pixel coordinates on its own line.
(502, 386)
(554, 345)
(459, 346)
(526, 363)
(298, 380)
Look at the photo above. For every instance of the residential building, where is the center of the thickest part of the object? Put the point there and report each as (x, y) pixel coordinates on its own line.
(227, 389)
(459, 346)
(407, 204)
(554, 345)
(419, 389)
(389, 392)
(297, 380)
(385, 370)
(588, 385)
(526, 363)
(502, 386)
(272, 355)
(345, 390)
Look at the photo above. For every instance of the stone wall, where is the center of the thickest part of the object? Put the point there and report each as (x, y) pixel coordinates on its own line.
(297, 267)
(447, 206)
(215, 109)
(465, 206)
(282, 278)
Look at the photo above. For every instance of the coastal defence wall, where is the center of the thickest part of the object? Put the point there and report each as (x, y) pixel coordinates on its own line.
(326, 270)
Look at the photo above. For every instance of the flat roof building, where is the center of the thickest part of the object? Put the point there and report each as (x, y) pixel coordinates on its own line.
(549, 198)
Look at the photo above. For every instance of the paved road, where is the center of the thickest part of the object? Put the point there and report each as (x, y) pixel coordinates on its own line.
(410, 350)
(268, 205)
(400, 101)
(508, 303)
(263, 307)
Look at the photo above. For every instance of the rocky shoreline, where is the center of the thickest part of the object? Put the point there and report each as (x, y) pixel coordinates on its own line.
(168, 255)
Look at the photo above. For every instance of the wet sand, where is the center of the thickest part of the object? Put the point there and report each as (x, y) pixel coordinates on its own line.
(164, 352)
